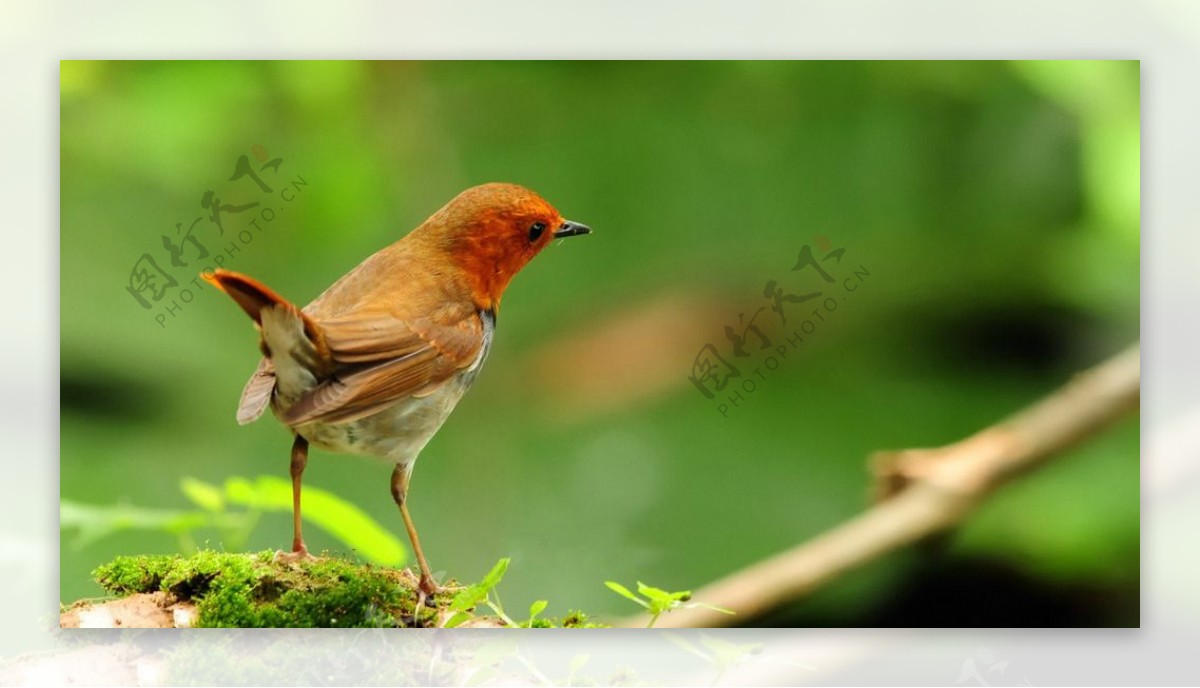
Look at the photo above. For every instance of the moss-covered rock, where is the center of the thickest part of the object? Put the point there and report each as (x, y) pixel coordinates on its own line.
(256, 590)
(260, 590)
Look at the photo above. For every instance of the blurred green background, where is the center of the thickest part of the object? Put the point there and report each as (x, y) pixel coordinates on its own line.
(995, 206)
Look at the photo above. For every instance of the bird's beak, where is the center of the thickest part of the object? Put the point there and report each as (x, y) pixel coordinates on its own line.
(570, 229)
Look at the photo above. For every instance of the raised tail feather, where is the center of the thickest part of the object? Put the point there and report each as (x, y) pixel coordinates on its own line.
(253, 296)
(293, 345)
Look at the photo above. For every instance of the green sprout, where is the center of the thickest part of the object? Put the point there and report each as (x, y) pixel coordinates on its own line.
(536, 608)
(657, 601)
(483, 592)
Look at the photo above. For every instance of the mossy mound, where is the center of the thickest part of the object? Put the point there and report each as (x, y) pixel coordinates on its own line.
(257, 591)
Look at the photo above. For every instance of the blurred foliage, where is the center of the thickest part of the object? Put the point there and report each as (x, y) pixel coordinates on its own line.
(995, 206)
(348, 524)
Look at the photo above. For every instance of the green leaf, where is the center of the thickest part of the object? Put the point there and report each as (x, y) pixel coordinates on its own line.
(468, 598)
(660, 594)
(660, 600)
(492, 579)
(537, 608)
(204, 495)
(338, 517)
(456, 619)
(651, 592)
(625, 592)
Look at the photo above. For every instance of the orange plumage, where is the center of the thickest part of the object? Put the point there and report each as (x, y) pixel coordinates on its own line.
(376, 363)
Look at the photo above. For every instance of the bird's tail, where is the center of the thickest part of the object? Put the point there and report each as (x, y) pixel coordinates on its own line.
(254, 297)
(292, 344)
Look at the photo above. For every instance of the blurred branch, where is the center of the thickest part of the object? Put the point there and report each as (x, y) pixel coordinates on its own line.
(921, 492)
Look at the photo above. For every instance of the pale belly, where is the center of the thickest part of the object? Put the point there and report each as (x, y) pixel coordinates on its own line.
(396, 434)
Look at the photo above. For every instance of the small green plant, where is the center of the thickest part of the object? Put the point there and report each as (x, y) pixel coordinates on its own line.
(481, 593)
(536, 608)
(658, 602)
(484, 593)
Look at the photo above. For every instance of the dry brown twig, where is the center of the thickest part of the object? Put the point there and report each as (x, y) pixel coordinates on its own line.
(924, 491)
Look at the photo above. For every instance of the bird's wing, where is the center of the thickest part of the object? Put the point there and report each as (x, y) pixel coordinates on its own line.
(381, 358)
(257, 393)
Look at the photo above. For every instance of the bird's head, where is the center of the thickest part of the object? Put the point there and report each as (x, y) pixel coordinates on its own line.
(492, 231)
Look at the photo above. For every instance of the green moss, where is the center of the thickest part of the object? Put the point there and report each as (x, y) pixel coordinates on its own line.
(255, 591)
(574, 618)
(133, 574)
(577, 619)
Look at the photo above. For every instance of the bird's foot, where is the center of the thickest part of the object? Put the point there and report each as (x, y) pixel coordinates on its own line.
(295, 555)
(430, 587)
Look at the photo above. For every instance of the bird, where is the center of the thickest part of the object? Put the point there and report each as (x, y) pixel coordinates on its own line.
(375, 364)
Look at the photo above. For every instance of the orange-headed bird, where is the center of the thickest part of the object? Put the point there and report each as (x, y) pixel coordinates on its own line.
(376, 364)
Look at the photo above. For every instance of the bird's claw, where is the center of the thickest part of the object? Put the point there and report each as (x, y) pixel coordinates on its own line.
(430, 588)
(293, 556)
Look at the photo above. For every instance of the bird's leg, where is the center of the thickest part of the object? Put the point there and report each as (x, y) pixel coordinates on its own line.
(400, 478)
(299, 461)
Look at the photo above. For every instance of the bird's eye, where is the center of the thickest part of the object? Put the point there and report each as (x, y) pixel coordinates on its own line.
(536, 231)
